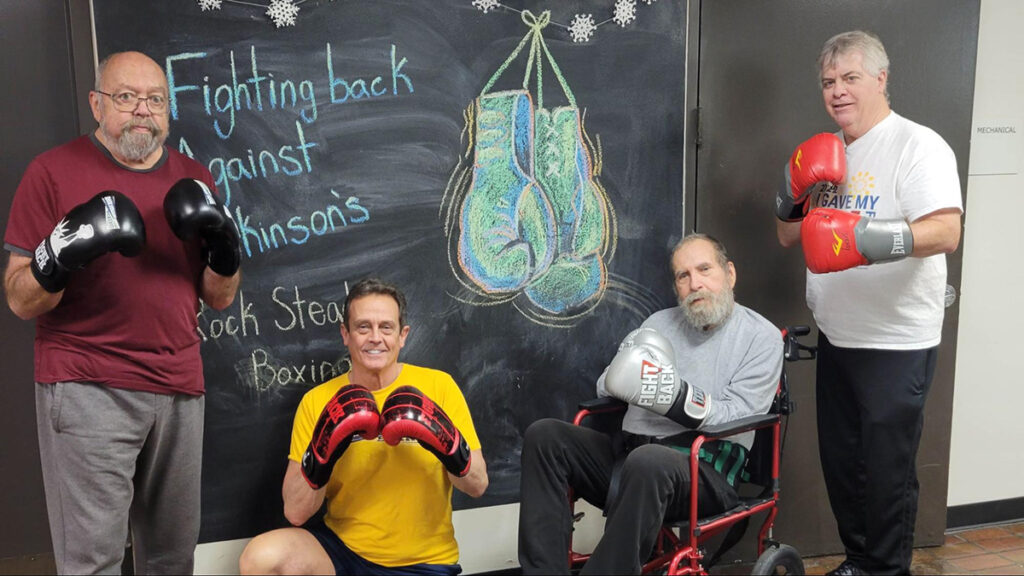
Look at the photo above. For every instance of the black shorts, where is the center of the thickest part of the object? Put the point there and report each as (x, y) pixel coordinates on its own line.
(348, 562)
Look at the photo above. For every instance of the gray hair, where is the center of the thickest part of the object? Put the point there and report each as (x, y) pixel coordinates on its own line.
(866, 43)
(100, 70)
(721, 254)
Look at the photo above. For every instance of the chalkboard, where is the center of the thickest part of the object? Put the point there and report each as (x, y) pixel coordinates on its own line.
(529, 227)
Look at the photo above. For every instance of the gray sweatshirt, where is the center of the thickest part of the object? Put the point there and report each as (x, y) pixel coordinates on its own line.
(738, 364)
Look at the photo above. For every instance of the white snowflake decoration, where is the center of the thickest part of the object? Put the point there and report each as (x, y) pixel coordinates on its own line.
(485, 5)
(625, 12)
(582, 27)
(209, 5)
(649, 2)
(282, 12)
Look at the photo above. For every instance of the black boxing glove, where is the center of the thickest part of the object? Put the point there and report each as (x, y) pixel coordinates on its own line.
(108, 222)
(191, 209)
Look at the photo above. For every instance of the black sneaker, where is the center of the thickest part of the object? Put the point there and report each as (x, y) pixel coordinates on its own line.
(847, 568)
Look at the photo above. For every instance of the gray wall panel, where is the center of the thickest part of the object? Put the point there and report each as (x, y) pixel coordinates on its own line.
(40, 111)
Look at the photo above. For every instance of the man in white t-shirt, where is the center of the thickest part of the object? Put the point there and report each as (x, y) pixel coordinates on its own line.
(875, 206)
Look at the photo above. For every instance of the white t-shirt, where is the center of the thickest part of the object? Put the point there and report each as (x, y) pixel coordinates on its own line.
(898, 170)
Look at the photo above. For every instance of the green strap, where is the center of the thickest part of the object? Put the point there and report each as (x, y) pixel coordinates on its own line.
(702, 455)
(719, 457)
(558, 74)
(739, 465)
(515, 53)
(537, 44)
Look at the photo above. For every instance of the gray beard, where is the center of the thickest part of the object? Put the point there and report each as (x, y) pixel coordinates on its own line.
(135, 146)
(705, 317)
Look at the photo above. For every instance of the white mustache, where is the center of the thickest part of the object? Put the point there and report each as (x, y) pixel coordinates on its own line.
(691, 298)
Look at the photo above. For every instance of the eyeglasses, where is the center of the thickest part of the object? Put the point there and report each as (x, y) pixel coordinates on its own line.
(129, 101)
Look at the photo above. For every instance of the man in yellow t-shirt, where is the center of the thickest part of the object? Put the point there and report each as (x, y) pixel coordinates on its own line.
(388, 498)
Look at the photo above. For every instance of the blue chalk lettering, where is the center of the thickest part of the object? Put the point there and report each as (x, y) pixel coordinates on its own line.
(298, 229)
(342, 90)
(309, 96)
(239, 89)
(228, 106)
(255, 78)
(332, 82)
(304, 146)
(245, 231)
(321, 230)
(184, 148)
(173, 88)
(223, 102)
(295, 223)
(353, 204)
(239, 170)
(359, 89)
(396, 73)
(228, 170)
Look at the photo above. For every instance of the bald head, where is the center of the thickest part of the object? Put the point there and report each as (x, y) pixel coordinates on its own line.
(132, 64)
(129, 85)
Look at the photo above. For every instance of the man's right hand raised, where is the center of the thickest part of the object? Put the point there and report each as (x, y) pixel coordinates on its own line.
(817, 163)
(108, 222)
(643, 373)
(352, 410)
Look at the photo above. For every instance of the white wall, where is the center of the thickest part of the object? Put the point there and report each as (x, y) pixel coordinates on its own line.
(987, 443)
(487, 539)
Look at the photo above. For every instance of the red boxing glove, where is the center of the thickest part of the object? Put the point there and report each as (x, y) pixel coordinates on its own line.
(835, 240)
(818, 163)
(408, 413)
(352, 410)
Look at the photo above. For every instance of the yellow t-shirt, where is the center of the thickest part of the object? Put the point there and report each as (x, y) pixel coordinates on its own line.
(392, 505)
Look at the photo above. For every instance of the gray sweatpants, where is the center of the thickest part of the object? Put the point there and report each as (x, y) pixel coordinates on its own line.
(109, 455)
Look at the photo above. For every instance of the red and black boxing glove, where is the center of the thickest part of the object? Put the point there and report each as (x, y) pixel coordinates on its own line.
(408, 413)
(352, 410)
(817, 163)
(835, 240)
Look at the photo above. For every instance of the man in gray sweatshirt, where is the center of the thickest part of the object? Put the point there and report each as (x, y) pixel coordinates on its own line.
(704, 362)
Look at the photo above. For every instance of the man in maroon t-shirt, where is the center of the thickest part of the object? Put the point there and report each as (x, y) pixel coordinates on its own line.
(113, 238)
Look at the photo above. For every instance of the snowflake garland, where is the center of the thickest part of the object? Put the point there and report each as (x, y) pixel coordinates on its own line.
(485, 5)
(282, 12)
(582, 27)
(625, 12)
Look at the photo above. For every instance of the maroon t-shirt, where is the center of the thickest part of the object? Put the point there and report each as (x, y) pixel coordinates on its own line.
(122, 322)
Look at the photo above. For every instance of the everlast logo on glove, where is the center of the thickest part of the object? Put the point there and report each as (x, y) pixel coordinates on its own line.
(698, 398)
(839, 243)
(898, 245)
